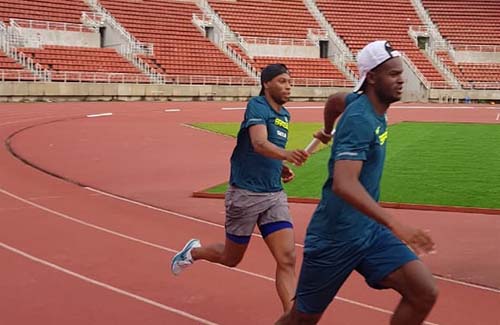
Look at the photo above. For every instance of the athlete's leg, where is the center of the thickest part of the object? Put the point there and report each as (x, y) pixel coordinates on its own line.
(418, 292)
(391, 264)
(242, 210)
(295, 317)
(325, 267)
(229, 254)
(281, 243)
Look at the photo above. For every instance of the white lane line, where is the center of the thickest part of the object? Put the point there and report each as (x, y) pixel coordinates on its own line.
(472, 285)
(445, 107)
(155, 208)
(349, 301)
(34, 198)
(232, 108)
(107, 286)
(64, 216)
(498, 116)
(207, 131)
(385, 311)
(434, 107)
(180, 215)
(100, 115)
(172, 110)
(395, 106)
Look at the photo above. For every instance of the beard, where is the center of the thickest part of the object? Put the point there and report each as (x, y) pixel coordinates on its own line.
(387, 97)
(279, 100)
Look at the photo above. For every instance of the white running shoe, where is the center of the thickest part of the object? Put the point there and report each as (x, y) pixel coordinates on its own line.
(183, 258)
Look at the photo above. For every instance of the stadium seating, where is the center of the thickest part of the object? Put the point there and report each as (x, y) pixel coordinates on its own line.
(454, 68)
(282, 19)
(360, 22)
(480, 75)
(69, 63)
(85, 64)
(183, 54)
(66, 11)
(472, 74)
(261, 18)
(469, 25)
(318, 71)
(11, 70)
(179, 48)
(237, 49)
(466, 22)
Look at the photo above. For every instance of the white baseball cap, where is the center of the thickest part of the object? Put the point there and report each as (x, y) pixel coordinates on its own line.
(371, 56)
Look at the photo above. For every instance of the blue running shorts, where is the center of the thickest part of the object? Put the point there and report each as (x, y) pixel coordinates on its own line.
(327, 264)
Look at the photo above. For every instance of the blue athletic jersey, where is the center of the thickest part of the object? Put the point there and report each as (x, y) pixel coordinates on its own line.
(350, 98)
(253, 171)
(361, 135)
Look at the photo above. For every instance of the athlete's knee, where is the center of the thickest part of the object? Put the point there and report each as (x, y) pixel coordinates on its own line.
(428, 297)
(231, 261)
(286, 258)
(424, 298)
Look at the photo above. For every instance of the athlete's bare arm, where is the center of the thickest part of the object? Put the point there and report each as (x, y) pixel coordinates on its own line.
(260, 143)
(334, 107)
(346, 185)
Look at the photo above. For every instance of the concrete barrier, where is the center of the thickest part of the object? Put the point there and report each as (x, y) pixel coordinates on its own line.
(35, 91)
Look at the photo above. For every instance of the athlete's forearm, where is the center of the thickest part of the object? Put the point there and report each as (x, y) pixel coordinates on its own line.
(262, 145)
(334, 107)
(269, 149)
(353, 192)
(330, 115)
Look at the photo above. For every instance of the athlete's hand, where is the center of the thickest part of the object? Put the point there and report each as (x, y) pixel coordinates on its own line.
(322, 136)
(419, 240)
(296, 157)
(287, 174)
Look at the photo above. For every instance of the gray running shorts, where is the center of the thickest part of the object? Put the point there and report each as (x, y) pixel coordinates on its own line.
(245, 209)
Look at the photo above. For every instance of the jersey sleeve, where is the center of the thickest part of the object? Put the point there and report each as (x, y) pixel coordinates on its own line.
(254, 114)
(350, 98)
(353, 139)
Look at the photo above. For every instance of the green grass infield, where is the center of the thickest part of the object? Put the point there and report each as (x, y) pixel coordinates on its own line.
(444, 164)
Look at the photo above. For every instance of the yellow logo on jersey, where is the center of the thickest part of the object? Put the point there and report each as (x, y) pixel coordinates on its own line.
(383, 137)
(281, 123)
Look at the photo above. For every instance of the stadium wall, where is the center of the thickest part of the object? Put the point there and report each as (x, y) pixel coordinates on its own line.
(38, 91)
(455, 95)
(414, 88)
(59, 92)
(61, 37)
(285, 51)
(477, 57)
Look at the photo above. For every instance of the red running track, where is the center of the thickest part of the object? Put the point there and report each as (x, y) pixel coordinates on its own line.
(74, 255)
